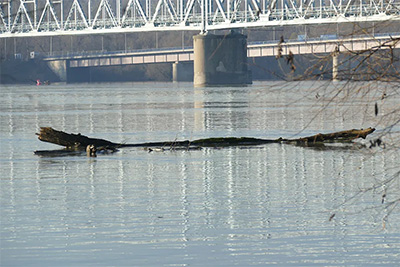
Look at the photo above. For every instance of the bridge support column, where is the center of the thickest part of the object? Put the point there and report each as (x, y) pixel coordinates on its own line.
(182, 72)
(220, 59)
(335, 65)
(60, 68)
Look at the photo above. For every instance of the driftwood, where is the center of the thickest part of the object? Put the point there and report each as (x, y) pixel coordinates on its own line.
(70, 141)
(343, 136)
(75, 143)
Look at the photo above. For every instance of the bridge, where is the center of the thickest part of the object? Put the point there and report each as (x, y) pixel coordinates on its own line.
(21, 18)
(255, 49)
(61, 62)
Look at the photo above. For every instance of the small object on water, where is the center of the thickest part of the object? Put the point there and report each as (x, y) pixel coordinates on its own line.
(156, 149)
(376, 109)
(91, 151)
(38, 82)
(331, 217)
(106, 149)
(377, 142)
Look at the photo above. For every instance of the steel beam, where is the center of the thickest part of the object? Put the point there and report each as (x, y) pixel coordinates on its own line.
(170, 15)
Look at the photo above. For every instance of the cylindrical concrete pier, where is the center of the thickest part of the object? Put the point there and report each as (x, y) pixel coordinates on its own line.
(220, 59)
(335, 65)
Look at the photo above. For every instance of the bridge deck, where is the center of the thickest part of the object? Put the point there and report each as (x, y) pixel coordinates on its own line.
(259, 49)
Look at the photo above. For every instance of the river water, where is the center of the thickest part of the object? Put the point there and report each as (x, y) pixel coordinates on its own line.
(273, 204)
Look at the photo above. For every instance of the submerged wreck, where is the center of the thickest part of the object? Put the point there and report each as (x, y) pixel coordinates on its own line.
(77, 144)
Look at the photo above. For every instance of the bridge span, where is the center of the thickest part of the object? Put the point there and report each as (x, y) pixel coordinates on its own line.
(256, 49)
(21, 18)
(60, 63)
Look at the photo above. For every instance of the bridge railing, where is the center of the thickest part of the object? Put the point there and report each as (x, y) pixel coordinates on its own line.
(329, 37)
(99, 53)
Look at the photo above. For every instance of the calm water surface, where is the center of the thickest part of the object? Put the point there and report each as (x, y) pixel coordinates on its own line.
(217, 207)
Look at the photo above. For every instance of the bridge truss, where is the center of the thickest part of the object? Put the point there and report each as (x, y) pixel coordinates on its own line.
(63, 17)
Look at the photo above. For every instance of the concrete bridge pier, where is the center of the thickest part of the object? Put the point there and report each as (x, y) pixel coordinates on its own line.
(182, 72)
(60, 68)
(220, 59)
(70, 75)
(335, 65)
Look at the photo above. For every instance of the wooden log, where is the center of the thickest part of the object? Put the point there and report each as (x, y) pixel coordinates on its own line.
(71, 141)
(339, 137)
(231, 141)
(60, 152)
(78, 142)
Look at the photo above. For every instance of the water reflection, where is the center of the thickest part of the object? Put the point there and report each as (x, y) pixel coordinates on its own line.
(244, 206)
